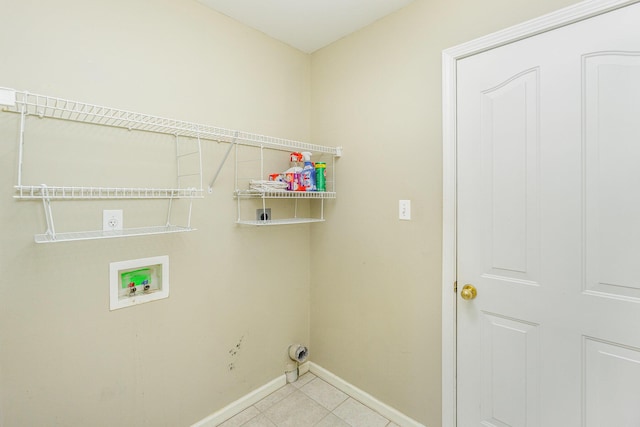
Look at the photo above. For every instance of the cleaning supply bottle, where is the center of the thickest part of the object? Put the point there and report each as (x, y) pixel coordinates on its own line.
(292, 175)
(321, 176)
(295, 158)
(308, 173)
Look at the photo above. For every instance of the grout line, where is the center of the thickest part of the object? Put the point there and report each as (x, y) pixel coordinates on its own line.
(363, 397)
(314, 372)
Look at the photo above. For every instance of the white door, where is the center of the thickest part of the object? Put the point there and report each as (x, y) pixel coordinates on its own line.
(549, 228)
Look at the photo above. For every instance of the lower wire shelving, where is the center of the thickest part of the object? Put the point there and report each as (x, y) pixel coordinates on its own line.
(284, 194)
(287, 221)
(91, 235)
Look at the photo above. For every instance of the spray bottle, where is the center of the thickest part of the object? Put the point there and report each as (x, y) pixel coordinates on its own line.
(292, 175)
(308, 173)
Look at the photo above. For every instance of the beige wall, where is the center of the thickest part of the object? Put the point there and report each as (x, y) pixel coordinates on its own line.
(65, 359)
(376, 281)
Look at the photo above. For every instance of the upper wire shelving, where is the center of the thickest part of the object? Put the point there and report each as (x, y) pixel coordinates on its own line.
(53, 107)
(69, 193)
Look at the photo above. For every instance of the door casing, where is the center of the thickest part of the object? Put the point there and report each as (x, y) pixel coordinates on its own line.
(560, 18)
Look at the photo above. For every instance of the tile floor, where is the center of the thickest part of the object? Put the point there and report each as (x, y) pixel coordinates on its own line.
(308, 402)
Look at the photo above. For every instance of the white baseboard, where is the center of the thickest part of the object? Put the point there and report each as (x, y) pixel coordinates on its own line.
(258, 394)
(363, 397)
(303, 368)
(241, 404)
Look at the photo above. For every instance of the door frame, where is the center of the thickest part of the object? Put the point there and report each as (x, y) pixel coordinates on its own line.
(569, 15)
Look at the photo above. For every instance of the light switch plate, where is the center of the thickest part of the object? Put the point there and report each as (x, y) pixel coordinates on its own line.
(404, 210)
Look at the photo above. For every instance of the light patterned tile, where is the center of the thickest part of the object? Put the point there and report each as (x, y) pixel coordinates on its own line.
(275, 397)
(303, 380)
(324, 393)
(331, 421)
(358, 415)
(259, 421)
(241, 418)
(295, 411)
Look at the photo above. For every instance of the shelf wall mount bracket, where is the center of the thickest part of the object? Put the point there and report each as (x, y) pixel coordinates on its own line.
(46, 202)
(224, 159)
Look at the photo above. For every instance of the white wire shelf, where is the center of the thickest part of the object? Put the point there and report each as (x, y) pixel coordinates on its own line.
(64, 109)
(91, 235)
(288, 221)
(31, 192)
(285, 194)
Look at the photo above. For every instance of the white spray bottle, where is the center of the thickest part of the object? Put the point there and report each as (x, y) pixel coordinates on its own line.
(308, 173)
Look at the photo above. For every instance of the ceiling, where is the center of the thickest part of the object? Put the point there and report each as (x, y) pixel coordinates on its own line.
(307, 25)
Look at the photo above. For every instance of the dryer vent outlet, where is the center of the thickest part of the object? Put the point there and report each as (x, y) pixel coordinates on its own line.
(263, 214)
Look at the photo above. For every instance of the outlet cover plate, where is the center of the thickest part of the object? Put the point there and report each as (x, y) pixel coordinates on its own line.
(263, 214)
(112, 219)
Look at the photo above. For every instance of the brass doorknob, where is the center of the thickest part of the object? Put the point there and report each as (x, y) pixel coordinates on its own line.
(468, 292)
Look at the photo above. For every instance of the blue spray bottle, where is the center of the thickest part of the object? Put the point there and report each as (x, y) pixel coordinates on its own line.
(308, 173)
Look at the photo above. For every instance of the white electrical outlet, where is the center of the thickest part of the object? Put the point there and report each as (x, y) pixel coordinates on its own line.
(112, 220)
(404, 209)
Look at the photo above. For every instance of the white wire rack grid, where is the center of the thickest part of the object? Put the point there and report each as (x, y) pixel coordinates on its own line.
(59, 108)
(63, 193)
(287, 221)
(92, 235)
(285, 194)
(250, 161)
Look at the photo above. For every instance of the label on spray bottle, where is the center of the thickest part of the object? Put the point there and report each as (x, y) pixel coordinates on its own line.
(308, 176)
